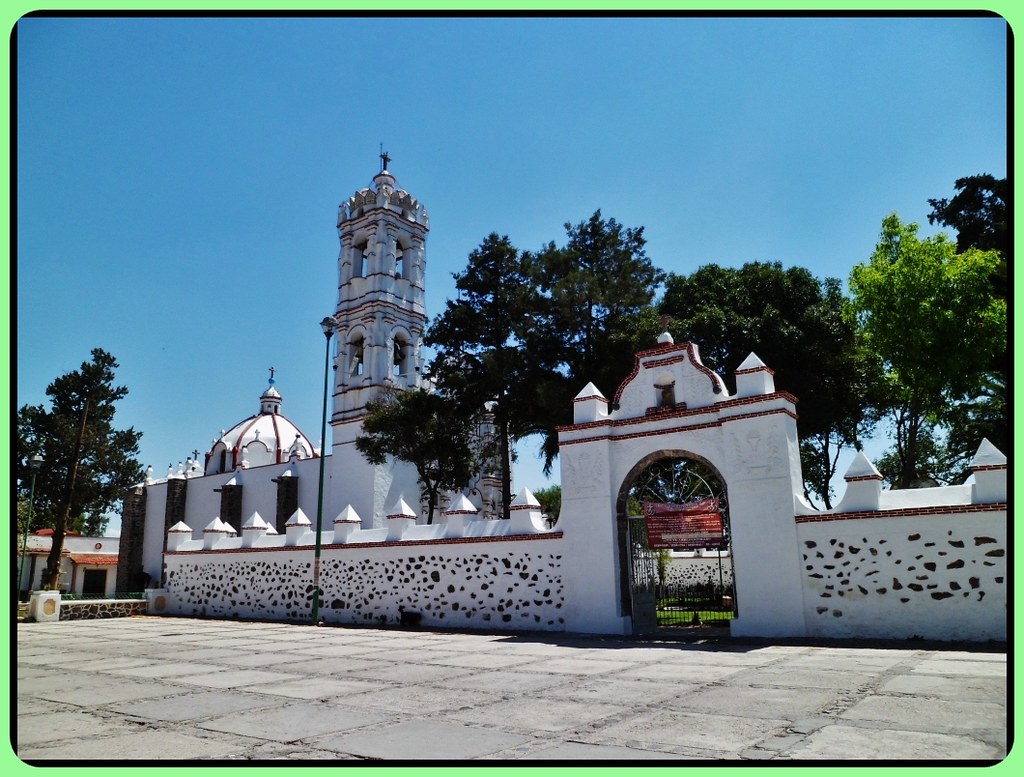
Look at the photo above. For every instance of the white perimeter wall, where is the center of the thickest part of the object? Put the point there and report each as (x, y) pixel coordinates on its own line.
(513, 584)
(938, 574)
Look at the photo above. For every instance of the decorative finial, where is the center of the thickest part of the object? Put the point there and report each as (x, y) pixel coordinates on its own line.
(272, 371)
(384, 159)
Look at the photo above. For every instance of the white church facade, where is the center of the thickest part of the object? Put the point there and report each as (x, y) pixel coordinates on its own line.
(234, 535)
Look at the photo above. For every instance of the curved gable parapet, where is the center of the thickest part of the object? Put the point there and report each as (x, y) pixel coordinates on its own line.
(665, 378)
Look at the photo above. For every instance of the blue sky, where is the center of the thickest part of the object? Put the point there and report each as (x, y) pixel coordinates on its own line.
(178, 179)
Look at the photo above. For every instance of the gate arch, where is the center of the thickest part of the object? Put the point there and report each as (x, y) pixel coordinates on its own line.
(622, 511)
(749, 439)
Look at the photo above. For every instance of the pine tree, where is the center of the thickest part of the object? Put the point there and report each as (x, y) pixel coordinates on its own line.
(88, 464)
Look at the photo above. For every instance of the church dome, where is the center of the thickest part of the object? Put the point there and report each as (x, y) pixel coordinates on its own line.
(264, 438)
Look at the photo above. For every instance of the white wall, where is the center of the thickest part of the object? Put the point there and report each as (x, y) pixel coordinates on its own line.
(935, 576)
(512, 583)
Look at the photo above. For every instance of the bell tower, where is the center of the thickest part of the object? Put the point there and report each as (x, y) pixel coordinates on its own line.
(380, 314)
(380, 319)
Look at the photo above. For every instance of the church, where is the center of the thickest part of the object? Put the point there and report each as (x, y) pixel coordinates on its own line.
(264, 464)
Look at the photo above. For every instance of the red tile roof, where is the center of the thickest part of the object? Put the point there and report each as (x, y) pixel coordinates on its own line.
(94, 559)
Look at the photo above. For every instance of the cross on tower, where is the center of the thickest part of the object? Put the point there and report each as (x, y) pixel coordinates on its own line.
(272, 371)
(384, 159)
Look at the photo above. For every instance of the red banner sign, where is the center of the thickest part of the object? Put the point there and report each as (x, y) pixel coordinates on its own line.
(684, 527)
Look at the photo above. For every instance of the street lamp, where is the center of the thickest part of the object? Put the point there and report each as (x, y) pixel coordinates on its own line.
(34, 463)
(328, 325)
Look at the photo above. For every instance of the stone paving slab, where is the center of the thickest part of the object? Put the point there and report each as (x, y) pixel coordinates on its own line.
(148, 745)
(961, 667)
(95, 695)
(700, 732)
(195, 705)
(991, 689)
(507, 683)
(424, 740)
(343, 694)
(753, 702)
(803, 678)
(234, 678)
(292, 722)
(407, 700)
(581, 751)
(613, 691)
(928, 714)
(528, 715)
(40, 729)
(838, 741)
(316, 687)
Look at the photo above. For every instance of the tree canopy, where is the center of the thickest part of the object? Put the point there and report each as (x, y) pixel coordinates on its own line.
(933, 319)
(592, 287)
(88, 463)
(798, 325)
(421, 428)
(484, 342)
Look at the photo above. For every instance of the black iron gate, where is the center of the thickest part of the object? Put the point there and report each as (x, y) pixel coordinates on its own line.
(643, 577)
(673, 480)
(658, 602)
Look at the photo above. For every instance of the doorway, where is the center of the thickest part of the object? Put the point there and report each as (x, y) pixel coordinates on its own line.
(675, 539)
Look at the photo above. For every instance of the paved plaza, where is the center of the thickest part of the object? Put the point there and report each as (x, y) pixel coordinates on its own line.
(161, 688)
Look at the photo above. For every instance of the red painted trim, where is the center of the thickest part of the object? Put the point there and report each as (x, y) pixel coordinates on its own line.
(655, 432)
(859, 478)
(590, 397)
(392, 544)
(750, 371)
(684, 349)
(903, 512)
(681, 411)
(987, 467)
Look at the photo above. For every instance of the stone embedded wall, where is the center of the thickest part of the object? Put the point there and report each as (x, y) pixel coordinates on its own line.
(501, 584)
(698, 571)
(933, 573)
(88, 609)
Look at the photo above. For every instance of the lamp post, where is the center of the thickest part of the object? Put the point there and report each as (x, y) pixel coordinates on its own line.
(34, 463)
(327, 325)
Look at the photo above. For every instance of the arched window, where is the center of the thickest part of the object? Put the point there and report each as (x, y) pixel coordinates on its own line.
(360, 259)
(400, 268)
(357, 364)
(401, 356)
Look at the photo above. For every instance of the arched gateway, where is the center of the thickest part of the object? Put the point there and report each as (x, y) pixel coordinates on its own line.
(670, 403)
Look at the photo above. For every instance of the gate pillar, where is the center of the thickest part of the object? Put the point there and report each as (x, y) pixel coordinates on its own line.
(592, 585)
(763, 474)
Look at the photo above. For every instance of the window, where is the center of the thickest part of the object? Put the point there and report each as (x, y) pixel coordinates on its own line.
(360, 260)
(399, 262)
(400, 356)
(356, 365)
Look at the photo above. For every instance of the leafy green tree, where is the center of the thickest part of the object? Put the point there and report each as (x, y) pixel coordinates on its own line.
(593, 287)
(89, 465)
(425, 430)
(932, 317)
(978, 212)
(799, 326)
(550, 499)
(982, 416)
(484, 345)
